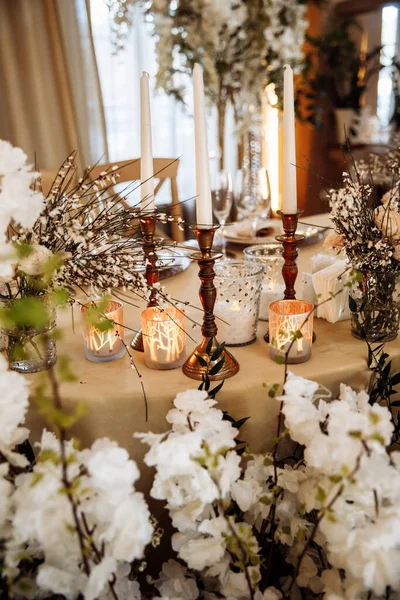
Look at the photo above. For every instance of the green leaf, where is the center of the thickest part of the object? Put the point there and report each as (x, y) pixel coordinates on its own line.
(241, 422)
(217, 352)
(201, 360)
(395, 380)
(212, 393)
(217, 367)
(279, 360)
(209, 346)
(352, 305)
(28, 312)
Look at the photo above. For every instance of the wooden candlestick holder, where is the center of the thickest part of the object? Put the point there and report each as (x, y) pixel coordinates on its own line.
(206, 259)
(148, 228)
(290, 241)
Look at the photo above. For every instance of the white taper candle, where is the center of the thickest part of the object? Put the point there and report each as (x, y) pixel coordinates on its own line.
(204, 215)
(289, 185)
(146, 147)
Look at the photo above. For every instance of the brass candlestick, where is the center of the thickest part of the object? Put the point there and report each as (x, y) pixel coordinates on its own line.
(206, 259)
(290, 241)
(148, 228)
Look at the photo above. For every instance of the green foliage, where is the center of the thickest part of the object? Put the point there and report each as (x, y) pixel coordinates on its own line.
(30, 312)
(212, 362)
(95, 314)
(382, 384)
(335, 73)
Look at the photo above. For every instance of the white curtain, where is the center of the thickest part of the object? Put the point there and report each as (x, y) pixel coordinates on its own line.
(50, 101)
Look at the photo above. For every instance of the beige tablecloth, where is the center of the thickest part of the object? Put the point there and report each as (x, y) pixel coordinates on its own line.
(113, 395)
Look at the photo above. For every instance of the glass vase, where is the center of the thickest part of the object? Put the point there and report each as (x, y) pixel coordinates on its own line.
(30, 350)
(375, 306)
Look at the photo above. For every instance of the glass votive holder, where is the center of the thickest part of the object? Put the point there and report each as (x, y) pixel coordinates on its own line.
(286, 317)
(273, 288)
(104, 345)
(237, 305)
(164, 337)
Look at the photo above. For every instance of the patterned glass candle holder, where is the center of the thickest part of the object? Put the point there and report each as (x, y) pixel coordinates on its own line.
(164, 337)
(104, 346)
(273, 288)
(286, 318)
(238, 284)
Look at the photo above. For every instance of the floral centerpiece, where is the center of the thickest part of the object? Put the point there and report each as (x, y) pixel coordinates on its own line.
(317, 518)
(78, 237)
(367, 228)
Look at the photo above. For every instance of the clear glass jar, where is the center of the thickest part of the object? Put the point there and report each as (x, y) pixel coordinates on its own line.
(237, 305)
(273, 288)
(375, 306)
(31, 350)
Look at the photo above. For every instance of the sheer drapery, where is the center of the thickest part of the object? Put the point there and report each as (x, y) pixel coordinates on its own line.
(50, 100)
(173, 128)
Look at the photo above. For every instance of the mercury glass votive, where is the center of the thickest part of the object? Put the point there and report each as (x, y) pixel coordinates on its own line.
(238, 284)
(286, 318)
(164, 337)
(104, 346)
(273, 287)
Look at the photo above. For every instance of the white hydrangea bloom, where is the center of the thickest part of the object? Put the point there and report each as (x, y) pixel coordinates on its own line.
(349, 471)
(111, 514)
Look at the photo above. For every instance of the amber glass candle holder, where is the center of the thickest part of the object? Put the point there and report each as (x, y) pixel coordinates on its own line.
(164, 337)
(104, 346)
(286, 318)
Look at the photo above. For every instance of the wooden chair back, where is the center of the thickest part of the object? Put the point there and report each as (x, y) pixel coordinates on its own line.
(163, 169)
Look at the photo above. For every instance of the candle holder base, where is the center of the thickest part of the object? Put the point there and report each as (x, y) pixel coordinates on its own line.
(137, 342)
(193, 369)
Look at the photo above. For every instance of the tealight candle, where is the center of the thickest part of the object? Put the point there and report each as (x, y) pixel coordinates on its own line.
(104, 346)
(286, 318)
(236, 323)
(237, 305)
(164, 337)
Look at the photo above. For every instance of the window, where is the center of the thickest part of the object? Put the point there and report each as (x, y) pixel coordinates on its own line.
(389, 40)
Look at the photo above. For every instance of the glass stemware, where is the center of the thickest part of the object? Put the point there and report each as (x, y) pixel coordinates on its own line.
(222, 198)
(252, 204)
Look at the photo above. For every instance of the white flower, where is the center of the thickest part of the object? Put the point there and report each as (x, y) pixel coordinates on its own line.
(110, 467)
(271, 593)
(99, 577)
(60, 581)
(193, 401)
(37, 260)
(174, 582)
(13, 407)
(202, 552)
(308, 575)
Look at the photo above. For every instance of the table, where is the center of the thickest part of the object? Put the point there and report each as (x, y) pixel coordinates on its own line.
(113, 396)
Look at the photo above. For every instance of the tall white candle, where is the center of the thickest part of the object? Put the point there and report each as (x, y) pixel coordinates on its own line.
(204, 214)
(289, 187)
(146, 147)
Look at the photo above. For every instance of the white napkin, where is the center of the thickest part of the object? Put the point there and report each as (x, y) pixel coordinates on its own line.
(327, 282)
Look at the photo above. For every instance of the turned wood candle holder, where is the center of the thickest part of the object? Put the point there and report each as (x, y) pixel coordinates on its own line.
(148, 228)
(290, 241)
(206, 259)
